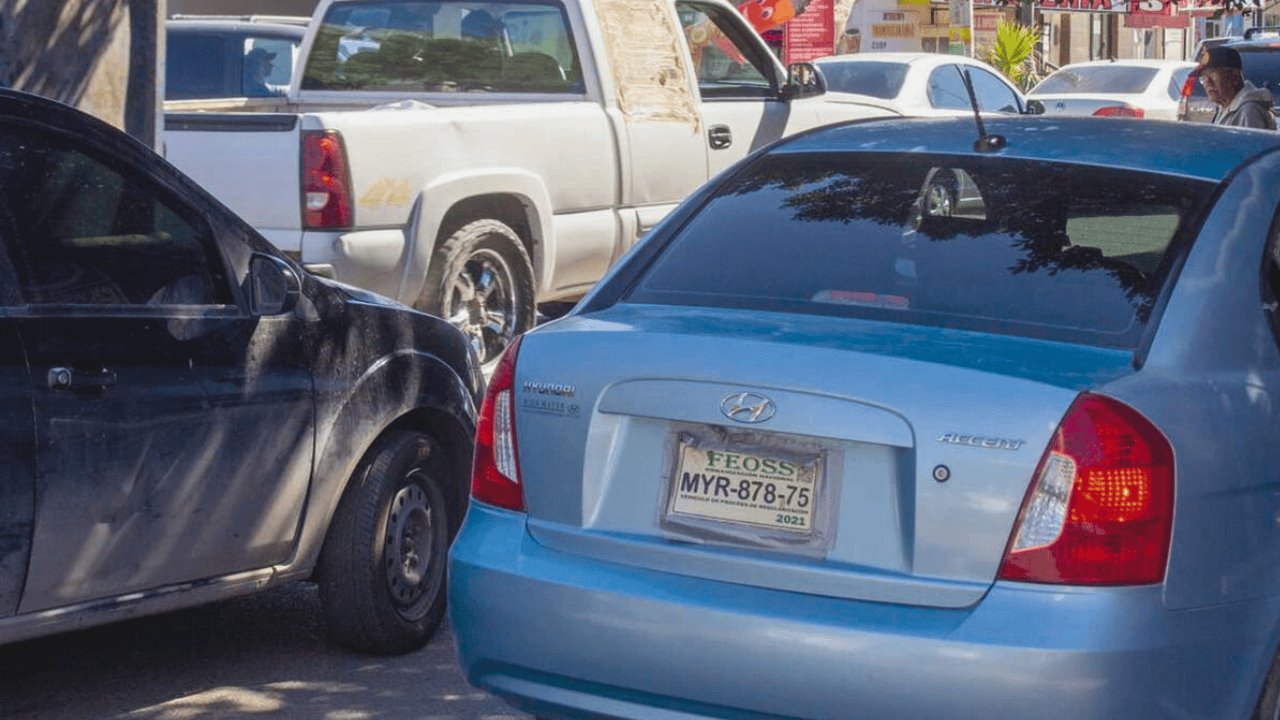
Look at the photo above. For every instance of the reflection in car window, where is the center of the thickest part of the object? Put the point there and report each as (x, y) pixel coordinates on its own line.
(993, 95)
(723, 70)
(1123, 79)
(838, 236)
(457, 46)
(81, 232)
(877, 79)
(946, 89)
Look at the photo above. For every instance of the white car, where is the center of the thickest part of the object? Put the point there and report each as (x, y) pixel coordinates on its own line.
(927, 84)
(1115, 88)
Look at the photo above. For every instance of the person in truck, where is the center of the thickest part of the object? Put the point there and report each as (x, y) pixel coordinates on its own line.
(1240, 103)
(258, 64)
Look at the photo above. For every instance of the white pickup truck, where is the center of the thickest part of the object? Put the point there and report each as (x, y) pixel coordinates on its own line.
(473, 158)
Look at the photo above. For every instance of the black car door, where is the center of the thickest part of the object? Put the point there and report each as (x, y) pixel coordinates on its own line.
(174, 428)
(17, 450)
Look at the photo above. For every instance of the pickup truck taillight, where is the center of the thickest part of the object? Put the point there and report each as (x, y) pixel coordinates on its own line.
(1100, 508)
(495, 469)
(1119, 111)
(326, 183)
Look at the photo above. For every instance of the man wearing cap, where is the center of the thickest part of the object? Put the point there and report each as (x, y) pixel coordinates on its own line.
(258, 63)
(1240, 103)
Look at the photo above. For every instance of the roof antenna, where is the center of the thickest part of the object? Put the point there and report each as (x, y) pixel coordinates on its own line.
(985, 142)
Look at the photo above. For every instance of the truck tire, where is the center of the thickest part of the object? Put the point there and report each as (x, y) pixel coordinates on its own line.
(481, 281)
(382, 567)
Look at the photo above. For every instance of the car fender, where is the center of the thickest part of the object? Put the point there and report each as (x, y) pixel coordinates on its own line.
(444, 193)
(400, 387)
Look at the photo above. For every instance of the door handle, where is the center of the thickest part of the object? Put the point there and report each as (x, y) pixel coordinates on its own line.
(719, 137)
(62, 378)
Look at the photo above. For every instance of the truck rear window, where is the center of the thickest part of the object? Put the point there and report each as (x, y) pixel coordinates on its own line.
(1048, 250)
(464, 46)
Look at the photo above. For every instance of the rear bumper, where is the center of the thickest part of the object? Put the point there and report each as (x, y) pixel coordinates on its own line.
(560, 635)
(370, 259)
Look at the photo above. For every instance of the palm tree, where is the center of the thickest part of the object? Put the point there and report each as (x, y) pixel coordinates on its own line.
(1013, 52)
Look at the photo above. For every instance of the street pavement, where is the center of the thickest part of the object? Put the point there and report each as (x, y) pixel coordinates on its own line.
(258, 656)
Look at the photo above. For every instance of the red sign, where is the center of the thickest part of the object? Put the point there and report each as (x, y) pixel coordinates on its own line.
(1143, 18)
(811, 34)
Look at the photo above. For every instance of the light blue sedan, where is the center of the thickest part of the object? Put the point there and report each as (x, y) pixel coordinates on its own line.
(823, 446)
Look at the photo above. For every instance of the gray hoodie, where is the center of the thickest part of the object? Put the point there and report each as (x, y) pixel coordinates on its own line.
(1251, 107)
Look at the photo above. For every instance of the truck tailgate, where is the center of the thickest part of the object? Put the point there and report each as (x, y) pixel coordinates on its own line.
(249, 161)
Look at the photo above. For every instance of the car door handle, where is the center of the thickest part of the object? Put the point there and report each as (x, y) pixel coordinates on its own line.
(62, 378)
(720, 137)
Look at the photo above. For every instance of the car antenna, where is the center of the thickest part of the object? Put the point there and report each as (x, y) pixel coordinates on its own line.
(985, 142)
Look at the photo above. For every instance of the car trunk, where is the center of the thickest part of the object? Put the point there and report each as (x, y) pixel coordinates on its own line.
(1079, 104)
(921, 441)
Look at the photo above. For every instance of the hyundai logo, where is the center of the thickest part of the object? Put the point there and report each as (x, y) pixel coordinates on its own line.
(747, 407)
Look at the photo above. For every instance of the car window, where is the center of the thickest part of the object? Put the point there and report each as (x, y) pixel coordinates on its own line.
(1178, 80)
(195, 66)
(281, 50)
(452, 46)
(1120, 79)
(82, 230)
(722, 68)
(993, 95)
(946, 89)
(1261, 67)
(877, 79)
(968, 245)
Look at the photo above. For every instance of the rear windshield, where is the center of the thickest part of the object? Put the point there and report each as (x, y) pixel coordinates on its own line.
(1262, 68)
(1097, 79)
(1078, 255)
(877, 79)
(519, 46)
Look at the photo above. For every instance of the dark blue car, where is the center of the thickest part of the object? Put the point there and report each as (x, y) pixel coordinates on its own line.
(186, 416)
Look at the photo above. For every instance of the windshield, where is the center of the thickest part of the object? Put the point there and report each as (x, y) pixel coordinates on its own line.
(408, 45)
(878, 79)
(1117, 79)
(964, 243)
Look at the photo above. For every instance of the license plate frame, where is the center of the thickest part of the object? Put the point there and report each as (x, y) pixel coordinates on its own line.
(751, 486)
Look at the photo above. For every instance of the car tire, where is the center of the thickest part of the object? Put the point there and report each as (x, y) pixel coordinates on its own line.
(481, 281)
(941, 197)
(382, 568)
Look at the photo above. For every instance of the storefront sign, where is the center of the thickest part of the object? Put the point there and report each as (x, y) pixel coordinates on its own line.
(811, 34)
(892, 30)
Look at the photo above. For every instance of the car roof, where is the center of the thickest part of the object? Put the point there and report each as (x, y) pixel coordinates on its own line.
(1155, 63)
(908, 58)
(1184, 149)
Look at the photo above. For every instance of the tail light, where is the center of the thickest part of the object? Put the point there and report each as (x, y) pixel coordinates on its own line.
(1100, 510)
(1184, 99)
(495, 470)
(326, 184)
(1119, 111)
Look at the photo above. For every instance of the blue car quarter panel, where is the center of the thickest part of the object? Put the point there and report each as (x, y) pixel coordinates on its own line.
(578, 637)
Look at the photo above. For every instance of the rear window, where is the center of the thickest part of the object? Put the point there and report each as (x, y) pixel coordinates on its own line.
(877, 79)
(195, 66)
(522, 46)
(1262, 68)
(1079, 255)
(1097, 79)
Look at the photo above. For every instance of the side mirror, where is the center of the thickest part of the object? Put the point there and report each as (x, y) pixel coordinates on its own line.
(803, 80)
(1034, 107)
(274, 287)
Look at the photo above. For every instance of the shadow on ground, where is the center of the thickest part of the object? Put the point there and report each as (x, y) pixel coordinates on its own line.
(264, 655)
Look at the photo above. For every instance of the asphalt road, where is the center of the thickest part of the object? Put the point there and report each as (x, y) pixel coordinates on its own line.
(259, 656)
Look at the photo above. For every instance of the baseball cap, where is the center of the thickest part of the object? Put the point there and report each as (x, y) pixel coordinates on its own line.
(1216, 57)
(263, 54)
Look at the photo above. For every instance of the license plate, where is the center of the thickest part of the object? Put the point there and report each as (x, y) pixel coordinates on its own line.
(747, 487)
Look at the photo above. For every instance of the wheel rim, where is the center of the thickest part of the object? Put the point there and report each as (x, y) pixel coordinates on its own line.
(412, 568)
(481, 302)
(939, 201)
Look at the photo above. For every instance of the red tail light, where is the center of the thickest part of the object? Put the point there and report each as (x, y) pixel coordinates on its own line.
(1119, 111)
(1100, 510)
(326, 184)
(1189, 87)
(495, 470)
